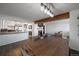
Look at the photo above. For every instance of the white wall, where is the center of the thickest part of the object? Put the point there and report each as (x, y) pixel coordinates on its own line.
(74, 30)
(6, 21)
(56, 26)
(34, 29)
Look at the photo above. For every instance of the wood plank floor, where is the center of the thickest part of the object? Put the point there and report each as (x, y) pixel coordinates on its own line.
(50, 46)
(13, 49)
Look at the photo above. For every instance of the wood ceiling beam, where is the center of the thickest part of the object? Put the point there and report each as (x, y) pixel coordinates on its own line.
(57, 17)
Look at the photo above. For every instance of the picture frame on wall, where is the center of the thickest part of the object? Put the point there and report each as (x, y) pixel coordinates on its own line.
(30, 26)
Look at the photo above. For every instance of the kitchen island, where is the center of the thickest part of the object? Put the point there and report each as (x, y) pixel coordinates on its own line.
(12, 37)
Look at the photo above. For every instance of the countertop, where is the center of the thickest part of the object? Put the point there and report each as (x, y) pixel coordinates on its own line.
(5, 33)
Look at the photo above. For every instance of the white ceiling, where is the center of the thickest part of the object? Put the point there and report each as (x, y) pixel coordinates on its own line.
(31, 11)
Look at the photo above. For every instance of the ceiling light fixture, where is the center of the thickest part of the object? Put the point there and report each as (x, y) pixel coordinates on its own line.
(42, 7)
(46, 9)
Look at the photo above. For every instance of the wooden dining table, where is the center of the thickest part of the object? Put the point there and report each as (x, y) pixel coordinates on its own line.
(49, 46)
